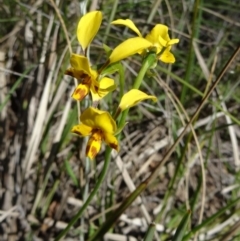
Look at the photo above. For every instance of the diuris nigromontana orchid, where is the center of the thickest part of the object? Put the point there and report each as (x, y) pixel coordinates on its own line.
(88, 77)
(99, 126)
(157, 39)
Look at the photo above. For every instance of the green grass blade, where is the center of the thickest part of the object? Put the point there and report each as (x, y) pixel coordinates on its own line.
(150, 232)
(71, 173)
(211, 219)
(178, 236)
(191, 56)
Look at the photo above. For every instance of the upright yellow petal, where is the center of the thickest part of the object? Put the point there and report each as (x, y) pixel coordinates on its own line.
(111, 141)
(158, 30)
(128, 23)
(93, 145)
(88, 116)
(80, 92)
(80, 63)
(106, 123)
(159, 37)
(128, 48)
(81, 130)
(88, 27)
(133, 97)
(98, 119)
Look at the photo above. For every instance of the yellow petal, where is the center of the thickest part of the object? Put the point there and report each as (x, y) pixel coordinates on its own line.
(111, 141)
(159, 36)
(89, 114)
(128, 48)
(128, 23)
(106, 85)
(162, 42)
(80, 92)
(80, 63)
(88, 27)
(133, 97)
(173, 41)
(81, 130)
(93, 145)
(167, 57)
(98, 119)
(106, 123)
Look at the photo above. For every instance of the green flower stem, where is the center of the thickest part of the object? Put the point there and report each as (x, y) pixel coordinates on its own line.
(91, 196)
(182, 227)
(148, 62)
(121, 73)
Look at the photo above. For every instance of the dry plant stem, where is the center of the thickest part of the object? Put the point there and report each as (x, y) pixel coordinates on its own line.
(63, 25)
(230, 235)
(69, 45)
(21, 23)
(220, 16)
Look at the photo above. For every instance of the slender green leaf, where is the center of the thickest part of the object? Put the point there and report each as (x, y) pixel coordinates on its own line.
(71, 173)
(150, 232)
(180, 232)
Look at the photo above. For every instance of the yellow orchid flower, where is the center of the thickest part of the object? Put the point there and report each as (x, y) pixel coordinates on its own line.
(88, 77)
(88, 27)
(133, 97)
(100, 126)
(158, 39)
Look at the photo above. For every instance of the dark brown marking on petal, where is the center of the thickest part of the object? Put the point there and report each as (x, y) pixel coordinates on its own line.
(69, 72)
(114, 146)
(79, 75)
(96, 88)
(86, 80)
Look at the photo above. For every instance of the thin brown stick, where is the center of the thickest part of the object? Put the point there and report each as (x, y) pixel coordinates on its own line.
(63, 25)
